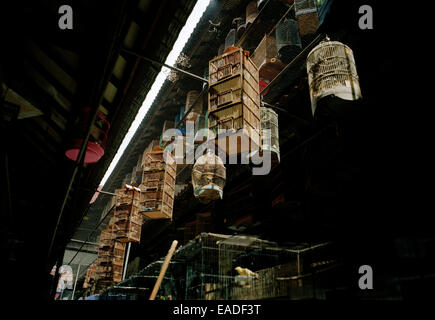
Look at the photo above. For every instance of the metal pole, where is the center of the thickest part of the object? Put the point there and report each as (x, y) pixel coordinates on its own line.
(108, 212)
(285, 14)
(99, 191)
(126, 261)
(75, 283)
(166, 65)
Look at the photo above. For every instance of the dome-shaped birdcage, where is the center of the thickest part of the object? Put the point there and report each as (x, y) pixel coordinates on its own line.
(208, 178)
(332, 72)
(240, 26)
(288, 41)
(231, 38)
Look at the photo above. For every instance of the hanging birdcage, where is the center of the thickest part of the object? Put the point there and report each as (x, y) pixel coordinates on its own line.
(201, 124)
(270, 132)
(251, 13)
(191, 97)
(288, 41)
(208, 178)
(265, 58)
(332, 72)
(306, 16)
(221, 49)
(240, 26)
(231, 39)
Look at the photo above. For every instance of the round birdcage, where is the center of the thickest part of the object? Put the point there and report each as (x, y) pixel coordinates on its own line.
(288, 41)
(270, 131)
(208, 178)
(332, 72)
(231, 38)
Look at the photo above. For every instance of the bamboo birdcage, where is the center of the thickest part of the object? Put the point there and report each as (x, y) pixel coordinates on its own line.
(201, 124)
(251, 13)
(208, 178)
(192, 95)
(265, 57)
(231, 39)
(159, 185)
(234, 100)
(166, 126)
(288, 41)
(270, 133)
(127, 220)
(332, 73)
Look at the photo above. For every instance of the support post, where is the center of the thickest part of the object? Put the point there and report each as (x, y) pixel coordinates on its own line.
(163, 270)
(126, 261)
(75, 282)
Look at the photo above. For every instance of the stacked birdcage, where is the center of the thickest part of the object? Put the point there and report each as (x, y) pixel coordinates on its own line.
(158, 184)
(128, 220)
(90, 276)
(110, 259)
(234, 101)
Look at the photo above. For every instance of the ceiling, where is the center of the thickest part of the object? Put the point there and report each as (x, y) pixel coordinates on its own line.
(48, 76)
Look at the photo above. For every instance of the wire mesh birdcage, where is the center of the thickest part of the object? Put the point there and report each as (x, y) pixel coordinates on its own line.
(208, 178)
(240, 23)
(288, 41)
(332, 72)
(231, 39)
(238, 267)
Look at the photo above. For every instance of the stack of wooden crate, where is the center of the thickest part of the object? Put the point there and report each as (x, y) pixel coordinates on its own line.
(128, 220)
(90, 276)
(234, 100)
(158, 184)
(110, 259)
